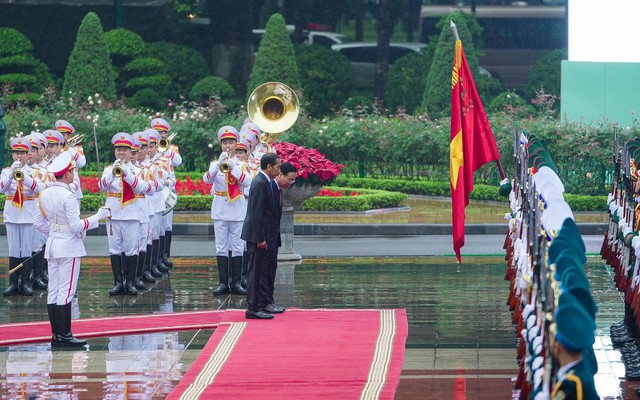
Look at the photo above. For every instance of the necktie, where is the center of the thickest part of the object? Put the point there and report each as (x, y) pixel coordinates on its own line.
(276, 193)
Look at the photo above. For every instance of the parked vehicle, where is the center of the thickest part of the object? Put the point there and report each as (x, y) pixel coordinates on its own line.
(323, 38)
(363, 57)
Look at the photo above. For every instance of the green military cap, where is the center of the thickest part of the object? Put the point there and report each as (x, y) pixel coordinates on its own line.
(573, 277)
(574, 287)
(566, 259)
(505, 188)
(559, 244)
(574, 326)
(570, 232)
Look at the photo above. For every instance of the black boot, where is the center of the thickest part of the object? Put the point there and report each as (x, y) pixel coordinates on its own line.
(223, 271)
(167, 249)
(139, 271)
(146, 274)
(62, 314)
(131, 264)
(245, 269)
(155, 258)
(25, 273)
(161, 254)
(12, 290)
(38, 261)
(116, 268)
(52, 320)
(236, 276)
(151, 249)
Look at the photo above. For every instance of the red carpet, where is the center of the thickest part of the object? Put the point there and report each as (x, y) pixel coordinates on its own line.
(301, 354)
(33, 332)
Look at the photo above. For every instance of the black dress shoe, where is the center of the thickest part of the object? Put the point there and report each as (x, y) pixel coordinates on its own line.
(257, 315)
(632, 375)
(273, 309)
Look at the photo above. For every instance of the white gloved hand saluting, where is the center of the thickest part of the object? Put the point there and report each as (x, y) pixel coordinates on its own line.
(103, 213)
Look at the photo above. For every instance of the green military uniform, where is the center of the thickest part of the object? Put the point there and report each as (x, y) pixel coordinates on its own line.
(576, 384)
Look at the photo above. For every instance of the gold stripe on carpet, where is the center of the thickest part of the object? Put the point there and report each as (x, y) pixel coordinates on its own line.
(215, 363)
(382, 356)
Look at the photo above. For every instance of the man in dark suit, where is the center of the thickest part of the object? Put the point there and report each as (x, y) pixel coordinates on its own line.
(258, 229)
(285, 179)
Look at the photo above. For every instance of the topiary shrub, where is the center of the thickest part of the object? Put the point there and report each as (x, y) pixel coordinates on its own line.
(437, 93)
(546, 74)
(144, 66)
(506, 101)
(359, 103)
(275, 60)
(158, 83)
(326, 77)
(89, 70)
(146, 73)
(185, 65)
(124, 45)
(407, 76)
(146, 98)
(13, 42)
(20, 71)
(211, 86)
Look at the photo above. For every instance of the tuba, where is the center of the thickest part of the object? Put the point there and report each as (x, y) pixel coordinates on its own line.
(274, 107)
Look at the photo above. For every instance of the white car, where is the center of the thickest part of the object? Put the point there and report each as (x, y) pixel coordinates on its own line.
(363, 56)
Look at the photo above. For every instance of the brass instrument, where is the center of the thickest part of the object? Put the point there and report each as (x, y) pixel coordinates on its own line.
(225, 167)
(165, 143)
(73, 141)
(18, 175)
(117, 171)
(274, 107)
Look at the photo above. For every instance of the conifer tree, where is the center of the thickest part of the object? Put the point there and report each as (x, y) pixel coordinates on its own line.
(89, 70)
(275, 60)
(437, 93)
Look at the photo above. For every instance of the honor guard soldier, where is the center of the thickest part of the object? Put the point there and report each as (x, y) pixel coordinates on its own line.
(175, 160)
(574, 331)
(60, 219)
(122, 185)
(229, 178)
(39, 239)
(20, 187)
(76, 151)
(159, 170)
(48, 179)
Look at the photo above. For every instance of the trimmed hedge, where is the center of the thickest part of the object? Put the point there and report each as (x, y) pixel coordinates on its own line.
(367, 199)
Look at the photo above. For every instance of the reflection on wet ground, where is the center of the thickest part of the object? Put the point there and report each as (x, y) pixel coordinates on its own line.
(415, 210)
(459, 326)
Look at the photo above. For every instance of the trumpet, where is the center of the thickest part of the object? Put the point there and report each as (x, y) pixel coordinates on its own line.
(225, 167)
(117, 171)
(18, 175)
(73, 141)
(165, 143)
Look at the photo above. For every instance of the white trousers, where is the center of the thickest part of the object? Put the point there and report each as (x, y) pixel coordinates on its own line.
(157, 225)
(20, 239)
(144, 235)
(125, 238)
(39, 240)
(167, 222)
(63, 280)
(227, 235)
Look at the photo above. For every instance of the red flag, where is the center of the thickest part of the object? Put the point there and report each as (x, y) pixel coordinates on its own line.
(471, 143)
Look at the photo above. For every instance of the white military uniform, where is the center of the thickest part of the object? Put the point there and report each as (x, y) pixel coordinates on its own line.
(77, 154)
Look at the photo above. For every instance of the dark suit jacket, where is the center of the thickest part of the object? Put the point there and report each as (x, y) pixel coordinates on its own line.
(258, 223)
(274, 241)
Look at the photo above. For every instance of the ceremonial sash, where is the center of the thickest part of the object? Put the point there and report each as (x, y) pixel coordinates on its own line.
(233, 188)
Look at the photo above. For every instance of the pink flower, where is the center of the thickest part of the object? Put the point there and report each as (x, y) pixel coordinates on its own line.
(311, 164)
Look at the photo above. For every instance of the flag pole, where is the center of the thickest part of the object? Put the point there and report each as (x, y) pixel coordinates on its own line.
(454, 31)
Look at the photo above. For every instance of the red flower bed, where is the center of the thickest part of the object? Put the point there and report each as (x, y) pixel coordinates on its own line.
(336, 193)
(312, 166)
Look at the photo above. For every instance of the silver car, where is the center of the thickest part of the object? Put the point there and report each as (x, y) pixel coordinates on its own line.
(363, 56)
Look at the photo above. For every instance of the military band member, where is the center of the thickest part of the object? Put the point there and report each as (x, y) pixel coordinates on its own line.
(48, 179)
(175, 160)
(228, 210)
(144, 202)
(122, 185)
(159, 169)
(20, 187)
(56, 141)
(60, 219)
(39, 238)
(77, 154)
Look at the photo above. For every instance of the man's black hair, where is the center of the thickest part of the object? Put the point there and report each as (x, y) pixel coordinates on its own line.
(286, 168)
(268, 159)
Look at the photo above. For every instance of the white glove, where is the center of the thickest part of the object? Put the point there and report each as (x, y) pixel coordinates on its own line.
(223, 156)
(16, 165)
(214, 167)
(103, 213)
(117, 163)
